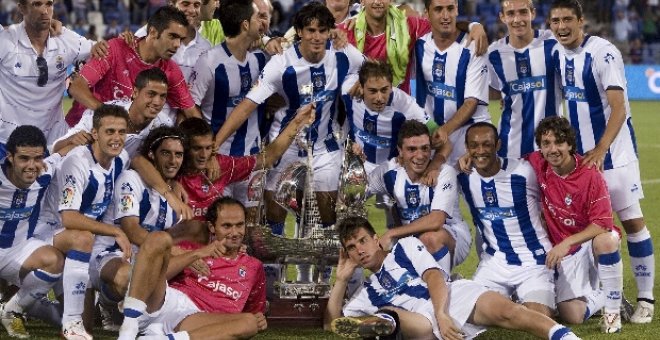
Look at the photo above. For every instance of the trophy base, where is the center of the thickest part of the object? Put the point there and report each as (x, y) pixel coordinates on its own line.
(301, 290)
(302, 312)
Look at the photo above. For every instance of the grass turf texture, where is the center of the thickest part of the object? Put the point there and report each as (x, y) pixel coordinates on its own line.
(646, 119)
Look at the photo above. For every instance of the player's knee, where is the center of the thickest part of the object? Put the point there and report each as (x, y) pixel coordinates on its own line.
(52, 260)
(120, 281)
(432, 241)
(157, 242)
(605, 243)
(247, 327)
(571, 312)
(81, 240)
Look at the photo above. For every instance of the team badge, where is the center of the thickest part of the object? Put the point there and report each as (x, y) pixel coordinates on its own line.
(205, 188)
(242, 271)
(318, 81)
(18, 65)
(59, 62)
(20, 198)
(370, 127)
(412, 196)
(489, 197)
(126, 187)
(438, 69)
(67, 195)
(245, 81)
(568, 199)
(523, 67)
(126, 203)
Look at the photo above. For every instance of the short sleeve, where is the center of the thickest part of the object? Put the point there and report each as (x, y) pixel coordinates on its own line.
(127, 195)
(376, 181)
(609, 67)
(359, 304)
(600, 205)
(203, 79)
(72, 177)
(84, 124)
(446, 191)
(178, 95)
(270, 80)
(411, 254)
(476, 83)
(236, 169)
(408, 105)
(256, 301)
(95, 69)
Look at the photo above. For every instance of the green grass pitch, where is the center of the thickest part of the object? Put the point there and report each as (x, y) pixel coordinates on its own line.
(646, 119)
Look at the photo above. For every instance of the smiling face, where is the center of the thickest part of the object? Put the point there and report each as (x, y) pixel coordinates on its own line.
(558, 154)
(26, 165)
(415, 155)
(518, 15)
(263, 10)
(206, 11)
(567, 27)
(482, 145)
(376, 93)
(168, 157)
(167, 43)
(364, 249)
(109, 138)
(150, 99)
(200, 152)
(192, 10)
(37, 14)
(230, 226)
(313, 39)
(376, 9)
(442, 15)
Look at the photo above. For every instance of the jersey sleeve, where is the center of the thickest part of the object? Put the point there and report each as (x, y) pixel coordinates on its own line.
(270, 80)
(446, 191)
(600, 205)
(355, 59)
(52, 163)
(609, 67)
(80, 45)
(359, 304)
(350, 80)
(376, 180)
(84, 124)
(95, 69)
(127, 195)
(236, 168)
(178, 95)
(256, 301)
(73, 180)
(477, 80)
(411, 254)
(417, 27)
(494, 80)
(203, 79)
(408, 105)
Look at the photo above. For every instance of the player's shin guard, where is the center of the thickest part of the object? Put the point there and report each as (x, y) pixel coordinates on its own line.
(640, 248)
(74, 282)
(443, 258)
(610, 272)
(35, 286)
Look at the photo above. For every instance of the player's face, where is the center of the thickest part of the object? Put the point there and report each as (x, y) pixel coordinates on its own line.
(230, 226)
(169, 40)
(313, 38)
(337, 5)
(557, 154)
(263, 14)
(376, 93)
(192, 10)
(376, 9)
(37, 14)
(566, 27)
(150, 99)
(26, 165)
(442, 15)
(168, 157)
(201, 148)
(110, 136)
(362, 249)
(517, 15)
(482, 145)
(256, 26)
(206, 11)
(415, 154)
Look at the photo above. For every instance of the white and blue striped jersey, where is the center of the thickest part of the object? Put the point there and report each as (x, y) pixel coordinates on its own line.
(220, 83)
(506, 209)
(20, 208)
(530, 90)
(398, 283)
(133, 198)
(445, 79)
(300, 82)
(84, 185)
(377, 132)
(133, 141)
(414, 200)
(586, 74)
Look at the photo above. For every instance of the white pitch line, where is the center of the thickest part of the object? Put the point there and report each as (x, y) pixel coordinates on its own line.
(651, 181)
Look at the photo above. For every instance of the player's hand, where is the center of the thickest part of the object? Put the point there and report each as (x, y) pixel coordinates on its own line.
(306, 114)
(356, 149)
(440, 137)
(123, 243)
(356, 91)
(350, 23)
(339, 38)
(345, 267)
(480, 38)
(430, 177)
(275, 45)
(261, 322)
(81, 138)
(180, 192)
(556, 254)
(200, 268)
(213, 169)
(128, 36)
(595, 158)
(465, 164)
(55, 28)
(387, 241)
(448, 328)
(182, 210)
(100, 50)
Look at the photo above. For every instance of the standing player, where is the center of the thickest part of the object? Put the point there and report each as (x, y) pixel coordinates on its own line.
(578, 213)
(223, 76)
(410, 298)
(452, 81)
(503, 197)
(522, 70)
(311, 70)
(429, 212)
(594, 82)
(112, 77)
(33, 66)
(228, 303)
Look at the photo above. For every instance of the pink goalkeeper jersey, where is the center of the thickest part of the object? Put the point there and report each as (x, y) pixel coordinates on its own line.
(234, 285)
(572, 203)
(112, 78)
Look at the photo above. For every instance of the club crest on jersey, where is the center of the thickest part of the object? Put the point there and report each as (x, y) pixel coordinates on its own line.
(67, 195)
(370, 127)
(412, 195)
(438, 69)
(568, 199)
(205, 188)
(245, 81)
(20, 198)
(242, 271)
(489, 197)
(59, 63)
(126, 203)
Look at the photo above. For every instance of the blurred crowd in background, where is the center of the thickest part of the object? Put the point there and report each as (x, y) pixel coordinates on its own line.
(632, 25)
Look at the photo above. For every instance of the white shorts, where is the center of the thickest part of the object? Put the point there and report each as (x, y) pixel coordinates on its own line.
(326, 168)
(239, 191)
(12, 259)
(624, 185)
(97, 261)
(463, 295)
(177, 306)
(461, 234)
(46, 231)
(531, 283)
(577, 275)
